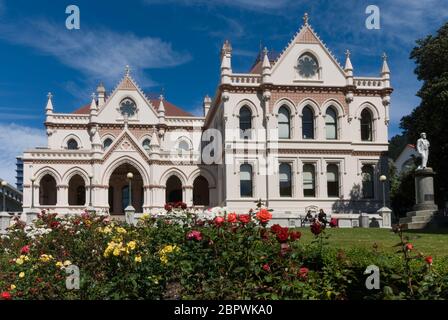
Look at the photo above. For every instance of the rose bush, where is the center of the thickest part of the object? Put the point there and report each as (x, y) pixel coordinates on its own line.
(179, 255)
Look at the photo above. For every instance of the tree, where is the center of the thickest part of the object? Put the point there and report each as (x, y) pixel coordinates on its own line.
(431, 57)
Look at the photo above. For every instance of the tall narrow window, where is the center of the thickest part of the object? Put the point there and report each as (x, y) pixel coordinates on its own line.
(246, 185)
(146, 144)
(72, 144)
(366, 125)
(107, 143)
(307, 123)
(367, 182)
(309, 181)
(284, 127)
(245, 123)
(333, 180)
(285, 180)
(331, 124)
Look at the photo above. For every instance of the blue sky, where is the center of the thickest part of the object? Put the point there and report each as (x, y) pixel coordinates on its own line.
(174, 45)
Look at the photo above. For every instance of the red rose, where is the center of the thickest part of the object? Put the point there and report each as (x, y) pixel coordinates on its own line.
(219, 221)
(231, 217)
(5, 295)
(409, 247)
(266, 267)
(168, 207)
(428, 260)
(263, 215)
(294, 235)
(282, 235)
(54, 224)
(244, 218)
(303, 272)
(194, 235)
(25, 249)
(276, 228)
(316, 228)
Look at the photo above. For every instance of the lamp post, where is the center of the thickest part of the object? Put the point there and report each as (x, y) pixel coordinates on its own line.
(130, 176)
(4, 184)
(90, 189)
(33, 178)
(130, 211)
(383, 179)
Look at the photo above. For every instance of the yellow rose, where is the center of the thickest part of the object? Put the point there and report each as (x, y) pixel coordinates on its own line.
(120, 230)
(144, 216)
(116, 252)
(138, 259)
(67, 263)
(132, 245)
(59, 264)
(19, 261)
(21, 274)
(12, 287)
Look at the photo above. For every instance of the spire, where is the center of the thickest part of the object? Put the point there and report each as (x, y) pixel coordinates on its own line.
(101, 91)
(348, 63)
(266, 67)
(127, 71)
(385, 72)
(207, 104)
(385, 69)
(49, 107)
(226, 62)
(161, 110)
(305, 19)
(154, 144)
(93, 106)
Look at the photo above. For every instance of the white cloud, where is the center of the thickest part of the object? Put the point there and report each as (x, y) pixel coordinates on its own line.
(14, 140)
(98, 54)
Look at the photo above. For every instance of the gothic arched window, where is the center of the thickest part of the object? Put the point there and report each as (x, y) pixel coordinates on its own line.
(366, 125)
(284, 126)
(307, 123)
(245, 123)
(331, 124)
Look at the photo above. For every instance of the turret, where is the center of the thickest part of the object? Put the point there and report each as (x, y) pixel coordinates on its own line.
(226, 62)
(49, 107)
(101, 91)
(385, 72)
(266, 67)
(161, 110)
(207, 104)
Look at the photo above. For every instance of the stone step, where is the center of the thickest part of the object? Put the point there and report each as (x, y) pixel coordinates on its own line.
(416, 219)
(420, 213)
(413, 226)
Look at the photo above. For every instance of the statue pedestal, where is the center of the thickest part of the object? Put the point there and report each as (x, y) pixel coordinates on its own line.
(424, 190)
(424, 213)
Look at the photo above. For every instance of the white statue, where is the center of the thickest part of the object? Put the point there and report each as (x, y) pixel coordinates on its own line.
(423, 150)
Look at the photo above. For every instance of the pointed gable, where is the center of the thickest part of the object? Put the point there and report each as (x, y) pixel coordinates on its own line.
(285, 67)
(126, 143)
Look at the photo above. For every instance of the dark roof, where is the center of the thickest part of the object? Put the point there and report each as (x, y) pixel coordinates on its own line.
(256, 66)
(171, 110)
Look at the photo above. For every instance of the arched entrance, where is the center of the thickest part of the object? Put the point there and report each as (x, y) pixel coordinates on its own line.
(119, 190)
(47, 191)
(76, 191)
(201, 192)
(173, 190)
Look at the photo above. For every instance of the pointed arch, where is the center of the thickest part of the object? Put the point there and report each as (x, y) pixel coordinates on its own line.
(373, 109)
(48, 170)
(139, 166)
(206, 174)
(173, 171)
(74, 137)
(75, 171)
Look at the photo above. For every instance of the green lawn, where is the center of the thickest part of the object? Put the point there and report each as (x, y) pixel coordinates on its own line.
(434, 243)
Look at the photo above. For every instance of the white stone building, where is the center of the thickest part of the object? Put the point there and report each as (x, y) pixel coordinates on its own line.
(326, 141)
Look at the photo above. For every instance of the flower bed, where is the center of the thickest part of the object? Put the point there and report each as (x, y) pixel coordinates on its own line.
(180, 256)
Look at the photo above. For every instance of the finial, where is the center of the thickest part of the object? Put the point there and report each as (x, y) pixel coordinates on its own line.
(127, 70)
(161, 97)
(93, 95)
(384, 56)
(347, 53)
(265, 51)
(49, 96)
(305, 19)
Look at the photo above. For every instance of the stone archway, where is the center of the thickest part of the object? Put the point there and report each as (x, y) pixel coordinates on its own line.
(119, 189)
(201, 195)
(76, 191)
(173, 190)
(47, 191)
